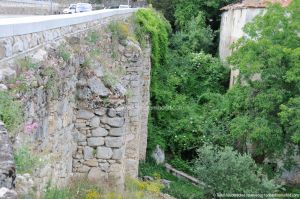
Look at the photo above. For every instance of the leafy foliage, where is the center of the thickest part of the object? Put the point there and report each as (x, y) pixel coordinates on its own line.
(265, 107)
(186, 10)
(10, 111)
(25, 160)
(227, 171)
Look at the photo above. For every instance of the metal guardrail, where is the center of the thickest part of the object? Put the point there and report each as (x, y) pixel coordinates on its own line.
(26, 25)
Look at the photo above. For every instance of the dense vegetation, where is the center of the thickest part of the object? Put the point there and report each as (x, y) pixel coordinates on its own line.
(207, 129)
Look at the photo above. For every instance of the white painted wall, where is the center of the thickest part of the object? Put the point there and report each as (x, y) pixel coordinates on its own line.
(232, 24)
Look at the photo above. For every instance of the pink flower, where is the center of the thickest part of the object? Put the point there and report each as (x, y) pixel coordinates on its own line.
(29, 128)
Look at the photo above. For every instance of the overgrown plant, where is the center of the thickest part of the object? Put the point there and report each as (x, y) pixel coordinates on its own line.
(92, 37)
(52, 77)
(119, 30)
(10, 111)
(64, 53)
(26, 63)
(25, 160)
(226, 171)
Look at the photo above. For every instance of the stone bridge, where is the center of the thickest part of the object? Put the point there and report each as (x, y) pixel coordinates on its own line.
(86, 95)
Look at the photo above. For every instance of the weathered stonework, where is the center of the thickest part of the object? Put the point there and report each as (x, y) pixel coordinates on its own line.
(91, 118)
(7, 166)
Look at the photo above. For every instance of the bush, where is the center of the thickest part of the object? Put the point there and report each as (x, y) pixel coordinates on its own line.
(226, 171)
(63, 53)
(26, 162)
(10, 111)
(92, 37)
(119, 30)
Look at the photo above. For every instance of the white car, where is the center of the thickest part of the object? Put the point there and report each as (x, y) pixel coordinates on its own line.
(78, 7)
(124, 6)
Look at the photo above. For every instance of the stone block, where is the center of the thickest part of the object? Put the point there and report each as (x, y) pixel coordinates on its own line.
(111, 112)
(116, 132)
(114, 122)
(99, 132)
(83, 169)
(104, 166)
(84, 114)
(95, 141)
(88, 153)
(118, 154)
(98, 87)
(91, 163)
(2, 51)
(97, 176)
(95, 122)
(114, 142)
(104, 152)
(100, 111)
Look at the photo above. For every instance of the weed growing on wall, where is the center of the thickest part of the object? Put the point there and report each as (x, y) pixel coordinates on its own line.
(149, 22)
(119, 30)
(64, 53)
(10, 111)
(52, 80)
(25, 160)
(119, 33)
(26, 63)
(92, 37)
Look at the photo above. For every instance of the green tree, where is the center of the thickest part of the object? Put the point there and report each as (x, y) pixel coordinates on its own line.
(224, 170)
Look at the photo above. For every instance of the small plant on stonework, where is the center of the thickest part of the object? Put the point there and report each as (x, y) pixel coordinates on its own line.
(63, 53)
(114, 54)
(135, 185)
(95, 53)
(52, 80)
(94, 152)
(92, 37)
(109, 79)
(112, 195)
(26, 64)
(10, 111)
(105, 101)
(92, 194)
(87, 62)
(25, 160)
(119, 30)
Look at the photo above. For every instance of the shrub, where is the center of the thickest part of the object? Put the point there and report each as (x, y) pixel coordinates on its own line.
(63, 53)
(52, 81)
(10, 111)
(92, 37)
(119, 30)
(25, 160)
(26, 64)
(226, 171)
(109, 79)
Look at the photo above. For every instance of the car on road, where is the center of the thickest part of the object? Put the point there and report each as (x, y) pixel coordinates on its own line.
(124, 6)
(78, 7)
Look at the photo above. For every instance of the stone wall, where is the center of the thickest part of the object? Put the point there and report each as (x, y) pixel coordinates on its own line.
(7, 166)
(88, 112)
